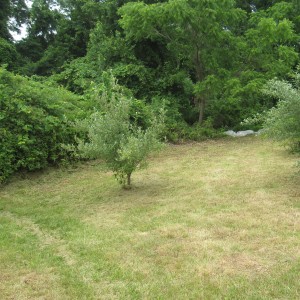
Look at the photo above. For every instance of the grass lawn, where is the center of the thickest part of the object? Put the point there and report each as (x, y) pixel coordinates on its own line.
(212, 220)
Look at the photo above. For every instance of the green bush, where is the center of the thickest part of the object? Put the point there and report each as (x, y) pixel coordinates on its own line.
(33, 123)
(181, 131)
(283, 121)
(116, 133)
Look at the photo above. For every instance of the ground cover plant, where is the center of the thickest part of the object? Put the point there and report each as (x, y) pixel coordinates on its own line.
(211, 220)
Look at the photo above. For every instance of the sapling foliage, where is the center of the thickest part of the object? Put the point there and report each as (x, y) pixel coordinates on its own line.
(113, 134)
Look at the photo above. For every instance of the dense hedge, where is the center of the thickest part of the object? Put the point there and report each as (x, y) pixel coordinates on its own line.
(33, 123)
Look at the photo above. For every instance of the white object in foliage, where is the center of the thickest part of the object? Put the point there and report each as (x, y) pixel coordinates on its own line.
(239, 133)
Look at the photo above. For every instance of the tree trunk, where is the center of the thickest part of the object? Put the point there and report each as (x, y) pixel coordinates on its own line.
(201, 110)
(129, 180)
(200, 75)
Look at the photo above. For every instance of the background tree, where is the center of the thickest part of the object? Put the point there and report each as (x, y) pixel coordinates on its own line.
(157, 60)
(42, 29)
(8, 54)
(193, 31)
(13, 13)
(208, 60)
(58, 32)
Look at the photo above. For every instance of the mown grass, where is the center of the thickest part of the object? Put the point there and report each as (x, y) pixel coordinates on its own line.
(213, 220)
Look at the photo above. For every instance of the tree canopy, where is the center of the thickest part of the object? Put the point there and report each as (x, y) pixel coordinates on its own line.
(207, 60)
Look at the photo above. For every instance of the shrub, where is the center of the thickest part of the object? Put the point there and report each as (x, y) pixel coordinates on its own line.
(181, 131)
(33, 123)
(283, 121)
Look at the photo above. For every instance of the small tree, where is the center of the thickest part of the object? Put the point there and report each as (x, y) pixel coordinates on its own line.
(114, 136)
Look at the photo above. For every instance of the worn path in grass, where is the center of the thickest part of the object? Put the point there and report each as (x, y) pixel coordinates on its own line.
(213, 220)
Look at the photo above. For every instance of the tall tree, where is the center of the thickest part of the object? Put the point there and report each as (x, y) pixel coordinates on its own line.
(42, 29)
(193, 30)
(13, 13)
(58, 32)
